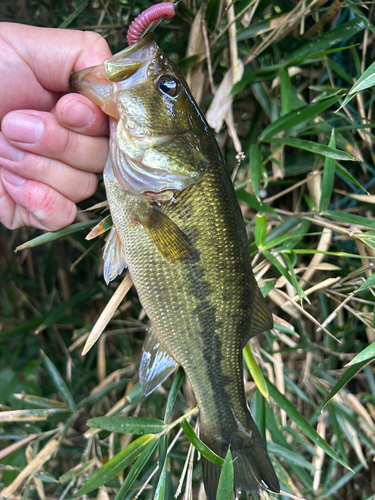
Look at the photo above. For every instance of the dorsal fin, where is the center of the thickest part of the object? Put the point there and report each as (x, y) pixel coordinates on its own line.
(114, 256)
(156, 364)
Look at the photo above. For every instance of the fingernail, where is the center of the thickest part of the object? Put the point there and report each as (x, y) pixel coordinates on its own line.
(9, 152)
(13, 178)
(76, 114)
(21, 127)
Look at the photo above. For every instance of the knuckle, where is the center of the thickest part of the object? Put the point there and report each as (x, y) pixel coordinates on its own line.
(91, 182)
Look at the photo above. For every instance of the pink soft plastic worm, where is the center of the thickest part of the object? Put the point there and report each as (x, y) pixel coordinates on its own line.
(164, 9)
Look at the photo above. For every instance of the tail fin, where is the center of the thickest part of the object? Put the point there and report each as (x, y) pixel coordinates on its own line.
(253, 470)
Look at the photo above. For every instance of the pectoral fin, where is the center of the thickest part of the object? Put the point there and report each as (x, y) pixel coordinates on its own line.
(156, 364)
(168, 238)
(114, 256)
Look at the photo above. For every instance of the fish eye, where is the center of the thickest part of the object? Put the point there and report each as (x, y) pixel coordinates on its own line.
(168, 85)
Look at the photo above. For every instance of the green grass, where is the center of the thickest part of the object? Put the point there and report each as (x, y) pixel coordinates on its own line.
(308, 202)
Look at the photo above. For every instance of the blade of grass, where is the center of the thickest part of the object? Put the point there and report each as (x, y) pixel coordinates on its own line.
(55, 235)
(306, 428)
(60, 384)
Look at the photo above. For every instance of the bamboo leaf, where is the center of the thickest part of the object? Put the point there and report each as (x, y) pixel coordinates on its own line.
(260, 231)
(288, 455)
(313, 147)
(306, 428)
(344, 379)
(137, 468)
(172, 396)
(327, 40)
(55, 235)
(328, 176)
(226, 480)
(129, 425)
(302, 115)
(117, 464)
(369, 283)
(60, 384)
(365, 81)
(367, 355)
(255, 371)
(198, 445)
(255, 157)
(255, 204)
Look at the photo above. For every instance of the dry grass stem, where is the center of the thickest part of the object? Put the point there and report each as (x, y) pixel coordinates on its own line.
(108, 312)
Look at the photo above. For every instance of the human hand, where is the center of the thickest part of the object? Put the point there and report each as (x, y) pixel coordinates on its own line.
(51, 145)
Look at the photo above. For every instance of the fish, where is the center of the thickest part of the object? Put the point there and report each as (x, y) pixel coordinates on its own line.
(178, 228)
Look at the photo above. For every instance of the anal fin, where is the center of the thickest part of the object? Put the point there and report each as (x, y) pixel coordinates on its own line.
(168, 238)
(114, 256)
(156, 364)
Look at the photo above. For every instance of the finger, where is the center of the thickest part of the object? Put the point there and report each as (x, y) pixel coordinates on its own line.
(76, 112)
(36, 204)
(74, 184)
(40, 133)
(53, 54)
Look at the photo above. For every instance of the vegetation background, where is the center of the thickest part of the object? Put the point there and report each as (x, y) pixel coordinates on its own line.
(271, 77)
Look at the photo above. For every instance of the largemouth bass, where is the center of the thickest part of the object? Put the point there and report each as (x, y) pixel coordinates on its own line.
(178, 227)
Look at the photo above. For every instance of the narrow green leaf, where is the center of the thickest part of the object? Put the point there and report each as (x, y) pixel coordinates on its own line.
(160, 488)
(129, 425)
(162, 452)
(344, 379)
(368, 354)
(60, 385)
(55, 235)
(40, 402)
(137, 468)
(338, 484)
(96, 396)
(117, 464)
(136, 393)
(30, 415)
(260, 230)
(365, 81)
(80, 6)
(300, 292)
(250, 200)
(302, 115)
(255, 160)
(328, 176)
(350, 218)
(327, 40)
(285, 92)
(272, 259)
(306, 428)
(198, 445)
(180, 375)
(81, 297)
(255, 371)
(226, 481)
(288, 455)
(313, 147)
(68, 476)
(342, 170)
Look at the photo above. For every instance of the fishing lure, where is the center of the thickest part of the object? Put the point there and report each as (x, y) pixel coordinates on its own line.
(145, 18)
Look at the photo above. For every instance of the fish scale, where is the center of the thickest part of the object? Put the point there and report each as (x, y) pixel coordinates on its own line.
(187, 254)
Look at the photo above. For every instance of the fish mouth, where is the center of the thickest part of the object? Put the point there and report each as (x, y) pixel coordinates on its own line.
(121, 65)
(124, 64)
